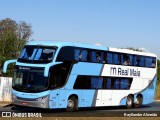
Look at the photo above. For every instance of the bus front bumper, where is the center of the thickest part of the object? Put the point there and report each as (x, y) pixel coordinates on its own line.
(41, 102)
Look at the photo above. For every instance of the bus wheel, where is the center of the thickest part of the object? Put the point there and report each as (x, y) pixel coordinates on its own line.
(72, 104)
(138, 102)
(129, 102)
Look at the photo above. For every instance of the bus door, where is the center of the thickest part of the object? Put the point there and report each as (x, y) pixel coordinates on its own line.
(54, 99)
(58, 77)
(55, 79)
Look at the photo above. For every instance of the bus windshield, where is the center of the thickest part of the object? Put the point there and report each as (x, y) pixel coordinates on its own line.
(37, 54)
(30, 81)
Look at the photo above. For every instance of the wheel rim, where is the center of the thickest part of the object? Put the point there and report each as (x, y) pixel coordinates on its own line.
(138, 101)
(129, 101)
(70, 104)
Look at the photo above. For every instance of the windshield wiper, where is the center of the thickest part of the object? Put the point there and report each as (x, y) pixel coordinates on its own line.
(34, 89)
(20, 87)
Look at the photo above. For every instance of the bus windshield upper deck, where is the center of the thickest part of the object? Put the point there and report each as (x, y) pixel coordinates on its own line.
(37, 54)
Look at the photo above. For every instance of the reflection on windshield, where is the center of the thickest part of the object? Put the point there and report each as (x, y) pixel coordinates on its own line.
(30, 81)
(37, 53)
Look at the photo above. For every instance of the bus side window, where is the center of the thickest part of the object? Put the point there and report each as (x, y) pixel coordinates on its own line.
(84, 55)
(124, 84)
(66, 54)
(148, 62)
(102, 57)
(96, 83)
(141, 61)
(105, 58)
(115, 58)
(125, 59)
(82, 82)
(131, 59)
(109, 58)
(116, 83)
(107, 83)
(135, 61)
(99, 57)
(153, 62)
(93, 56)
(77, 54)
(89, 56)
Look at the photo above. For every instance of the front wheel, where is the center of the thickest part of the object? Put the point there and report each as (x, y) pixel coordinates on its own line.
(129, 102)
(72, 104)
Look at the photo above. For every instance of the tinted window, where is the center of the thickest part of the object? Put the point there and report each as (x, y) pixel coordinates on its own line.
(115, 58)
(99, 56)
(107, 83)
(130, 59)
(92, 82)
(116, 83)
(141, 61)
(93, 56)
(77, 53)
(135, 61)
(109, 58)
(84, 55)
(126, 59)
(82, 82)
(66, 54)
(37, 54)
(153, 62)
(124, 84)
(148, 62)
(96, 82)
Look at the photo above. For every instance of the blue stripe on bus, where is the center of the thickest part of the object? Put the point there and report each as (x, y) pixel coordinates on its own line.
(84, 68)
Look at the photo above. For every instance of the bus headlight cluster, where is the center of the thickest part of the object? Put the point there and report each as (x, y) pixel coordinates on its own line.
(42, 98)
(14, 97)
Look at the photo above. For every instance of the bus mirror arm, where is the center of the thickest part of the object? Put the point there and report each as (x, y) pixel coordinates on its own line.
(5, 66)
(46, 69)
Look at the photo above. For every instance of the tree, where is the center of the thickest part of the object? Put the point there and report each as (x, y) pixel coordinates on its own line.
(13, 36)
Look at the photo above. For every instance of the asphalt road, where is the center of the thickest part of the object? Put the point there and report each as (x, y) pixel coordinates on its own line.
(149, 110)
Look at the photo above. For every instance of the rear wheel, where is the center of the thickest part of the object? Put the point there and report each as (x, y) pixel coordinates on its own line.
(72, 104)
(138, 103)
(129, 102)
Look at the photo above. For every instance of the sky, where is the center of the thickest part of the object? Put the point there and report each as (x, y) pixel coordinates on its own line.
(112, 23)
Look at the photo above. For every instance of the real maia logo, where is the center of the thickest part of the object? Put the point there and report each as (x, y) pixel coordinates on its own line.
(124, 72)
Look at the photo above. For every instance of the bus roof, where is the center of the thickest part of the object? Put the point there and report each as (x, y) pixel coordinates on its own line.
(61, 44)
(127, 51)
(83, 45)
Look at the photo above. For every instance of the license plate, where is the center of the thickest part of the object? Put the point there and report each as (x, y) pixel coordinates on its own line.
(25, 103)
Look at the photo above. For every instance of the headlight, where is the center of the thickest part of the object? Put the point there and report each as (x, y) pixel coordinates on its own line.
(14, 97)
(42, 98)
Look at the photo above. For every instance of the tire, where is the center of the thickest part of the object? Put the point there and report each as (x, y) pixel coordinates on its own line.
(138, 102)
(129, 102)
(72, 104)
